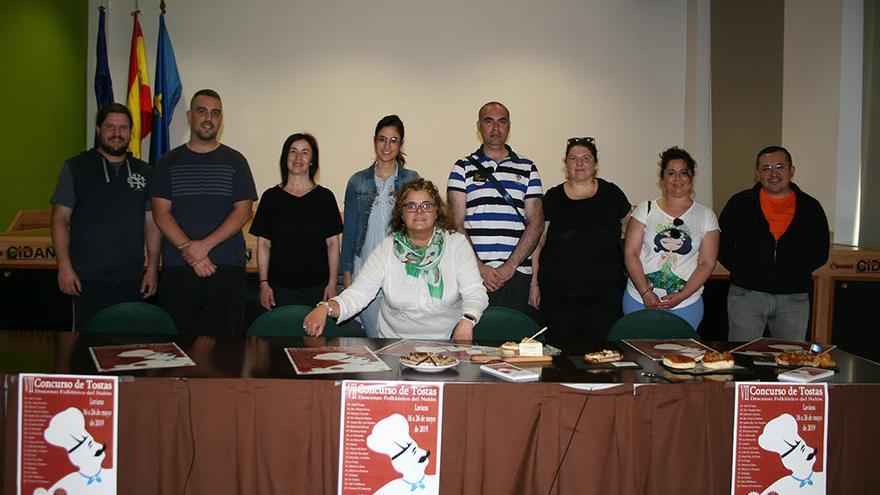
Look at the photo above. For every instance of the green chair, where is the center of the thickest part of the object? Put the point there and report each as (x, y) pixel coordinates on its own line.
(499, 323)
(287, 321)
(652, 324)
(132, 318)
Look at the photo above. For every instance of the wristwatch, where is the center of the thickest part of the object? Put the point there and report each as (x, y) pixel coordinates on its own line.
(329, 307)
(469, 317)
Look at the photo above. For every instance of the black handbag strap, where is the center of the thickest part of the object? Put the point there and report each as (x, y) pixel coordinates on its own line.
(501, 190)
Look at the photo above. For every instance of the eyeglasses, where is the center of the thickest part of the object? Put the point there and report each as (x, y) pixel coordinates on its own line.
(581, 140)
(413, 207)
(384, 139)
(685, 172)
(766, 169)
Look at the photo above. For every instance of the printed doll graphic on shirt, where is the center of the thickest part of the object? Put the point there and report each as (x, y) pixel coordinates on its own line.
(671, 240)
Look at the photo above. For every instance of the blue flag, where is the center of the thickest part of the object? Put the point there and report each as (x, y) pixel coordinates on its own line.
(165, 95)
(103, 83)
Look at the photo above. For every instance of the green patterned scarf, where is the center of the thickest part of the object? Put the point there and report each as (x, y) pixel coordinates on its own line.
(422, 261)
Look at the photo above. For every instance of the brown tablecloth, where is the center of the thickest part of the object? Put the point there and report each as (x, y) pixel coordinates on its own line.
(262, 436)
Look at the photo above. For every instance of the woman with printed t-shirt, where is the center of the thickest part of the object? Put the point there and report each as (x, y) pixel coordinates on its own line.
(579, 276)
(297, 225)
(671, 245)
(369, 197)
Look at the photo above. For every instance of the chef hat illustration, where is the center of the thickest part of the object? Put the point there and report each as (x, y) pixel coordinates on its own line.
(333, 356)
(136, 353)
(67, 429)
(780, 435)
(390, 436)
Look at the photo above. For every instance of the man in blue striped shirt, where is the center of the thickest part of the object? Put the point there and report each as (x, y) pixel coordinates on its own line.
(202, 196)
(495, 199)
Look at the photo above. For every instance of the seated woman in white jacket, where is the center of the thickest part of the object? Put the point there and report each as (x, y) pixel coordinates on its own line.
(428, 273)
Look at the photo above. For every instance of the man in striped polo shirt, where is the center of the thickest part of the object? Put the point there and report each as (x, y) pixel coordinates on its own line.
(202, 196)
(495, 199)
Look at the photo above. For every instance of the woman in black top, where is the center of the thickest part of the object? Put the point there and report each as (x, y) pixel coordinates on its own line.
(297, 225)
(579, 278)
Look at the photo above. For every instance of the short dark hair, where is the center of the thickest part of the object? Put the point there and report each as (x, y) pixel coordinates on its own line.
(285, 149)
(393, 121)
(675, 233)
(204, 92)
(397, 224)
(109, 108)
(492, 103)
(773, 149)
(676, 153)
(586, 142)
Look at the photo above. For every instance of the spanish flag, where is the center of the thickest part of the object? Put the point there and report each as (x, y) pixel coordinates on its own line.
(140, 102)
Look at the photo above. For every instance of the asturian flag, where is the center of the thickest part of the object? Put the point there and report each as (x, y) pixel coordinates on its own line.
(168, 89)
(140, 103)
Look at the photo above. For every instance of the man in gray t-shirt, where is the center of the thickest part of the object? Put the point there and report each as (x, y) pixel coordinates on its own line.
(203, 193)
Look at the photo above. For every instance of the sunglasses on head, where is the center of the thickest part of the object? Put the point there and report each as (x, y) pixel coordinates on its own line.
(581, 140)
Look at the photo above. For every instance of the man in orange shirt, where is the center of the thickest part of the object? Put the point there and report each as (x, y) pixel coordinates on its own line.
(773, 236)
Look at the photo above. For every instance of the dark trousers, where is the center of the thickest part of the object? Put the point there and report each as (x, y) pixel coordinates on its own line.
(515, 295)
(204, 306)
(99, 294)
(580, 318)
(307, 297)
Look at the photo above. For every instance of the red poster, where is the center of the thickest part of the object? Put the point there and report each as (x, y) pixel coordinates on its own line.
(323, 360)
(390, 438)
(67, 434)
(462, 352)
(779, 439)
(139, 357)
(657, 348)
(772, 347)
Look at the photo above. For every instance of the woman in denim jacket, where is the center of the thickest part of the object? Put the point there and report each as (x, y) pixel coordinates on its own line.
(369, 199)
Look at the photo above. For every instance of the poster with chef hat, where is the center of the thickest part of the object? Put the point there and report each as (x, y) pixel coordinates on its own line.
(67, 434)
(139, 356)
(779, 438)
(389, 438)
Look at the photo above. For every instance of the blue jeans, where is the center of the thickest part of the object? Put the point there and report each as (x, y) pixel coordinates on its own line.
(692, 313)
(369, 316)
(749, 311)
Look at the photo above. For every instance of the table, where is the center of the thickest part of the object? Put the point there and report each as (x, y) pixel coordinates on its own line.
(242, 422)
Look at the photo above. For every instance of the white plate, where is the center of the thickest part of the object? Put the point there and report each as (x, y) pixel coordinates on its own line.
(428, 367)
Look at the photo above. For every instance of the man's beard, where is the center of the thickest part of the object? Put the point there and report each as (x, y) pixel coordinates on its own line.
(111, 150)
